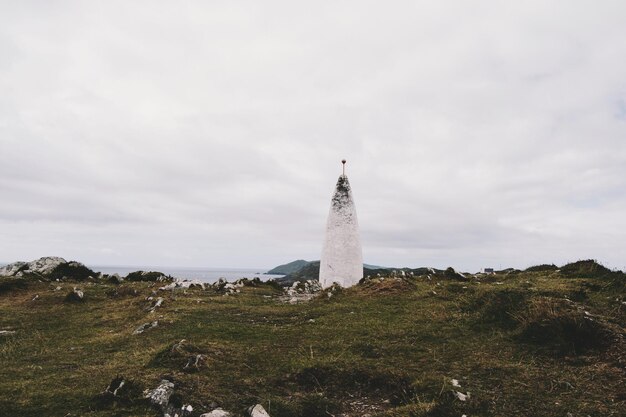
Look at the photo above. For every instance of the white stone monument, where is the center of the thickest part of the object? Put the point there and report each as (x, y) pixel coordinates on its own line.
(342, 258)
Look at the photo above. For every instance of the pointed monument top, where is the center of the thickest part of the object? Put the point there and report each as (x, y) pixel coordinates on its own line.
(343, 162)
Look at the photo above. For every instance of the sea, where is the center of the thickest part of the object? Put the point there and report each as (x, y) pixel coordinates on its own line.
(208, 275)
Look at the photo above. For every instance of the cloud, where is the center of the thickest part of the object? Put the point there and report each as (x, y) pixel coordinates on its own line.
(198, 134)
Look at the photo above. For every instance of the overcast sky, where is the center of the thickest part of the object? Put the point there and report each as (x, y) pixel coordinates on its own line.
(196, 133)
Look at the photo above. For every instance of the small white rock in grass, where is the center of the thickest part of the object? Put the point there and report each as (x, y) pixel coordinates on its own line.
(218, 412)
(455, 383)
(6, 332)
(157, 304)
(257, 411)
(460, 396)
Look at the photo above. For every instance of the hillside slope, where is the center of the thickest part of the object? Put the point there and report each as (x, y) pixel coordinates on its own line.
(518, 344)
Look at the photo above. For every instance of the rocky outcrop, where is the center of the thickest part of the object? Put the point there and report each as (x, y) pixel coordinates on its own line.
(301, 292)
(151, 276)
(50, 267)
(41, 266)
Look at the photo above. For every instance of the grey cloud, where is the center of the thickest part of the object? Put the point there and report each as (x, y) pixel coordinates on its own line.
(209, 134)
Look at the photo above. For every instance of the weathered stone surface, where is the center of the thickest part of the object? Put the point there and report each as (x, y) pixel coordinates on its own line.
(145, 326)
(342, 258)
(301, 291)
(11, 269)
(157, 303)
(218, 412)
(257, 411)
(160, 396)
(41, 266)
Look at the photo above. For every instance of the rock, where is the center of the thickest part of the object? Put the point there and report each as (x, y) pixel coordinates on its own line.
(7, 332)
(157, 304)
(460, 396)
(160, 396)
(257, 411)
(114, 279)
(145, 326)
(452, 274)
(218, 412)
(195, 362)
(151, 276)
(75, 296)
(41, 266)
(120, 390)
(52, 266)
(11, 269)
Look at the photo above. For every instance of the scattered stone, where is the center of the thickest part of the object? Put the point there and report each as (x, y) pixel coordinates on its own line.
(302, 291)
(157, 304)
(257, 411)
(75, 296)
(160, 396)
(195, 362)
(455, 383)
(145, 326)
(218, 412)
(460, 396)
(7, 332)
(452, 274)
(120, 390)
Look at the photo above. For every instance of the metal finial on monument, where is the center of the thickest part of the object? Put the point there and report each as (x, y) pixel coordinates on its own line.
(343, 162)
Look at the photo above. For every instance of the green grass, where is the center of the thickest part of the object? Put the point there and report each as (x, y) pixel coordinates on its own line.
(385, 348)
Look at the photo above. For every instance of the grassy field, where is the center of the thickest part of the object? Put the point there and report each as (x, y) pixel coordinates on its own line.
(519, 344)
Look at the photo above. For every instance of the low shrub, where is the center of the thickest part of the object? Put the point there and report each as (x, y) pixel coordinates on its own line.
(394, 386)
(149, 276)
(562, 327)
(8, 284)
(74, 271)
(542, 268)
(499, 306)
(585, 269)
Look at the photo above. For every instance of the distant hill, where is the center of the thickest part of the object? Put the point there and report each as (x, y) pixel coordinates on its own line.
(296, 266)
(289, 268)
(312, 271)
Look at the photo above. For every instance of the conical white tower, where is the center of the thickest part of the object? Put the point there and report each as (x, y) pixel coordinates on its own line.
(342, 258)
